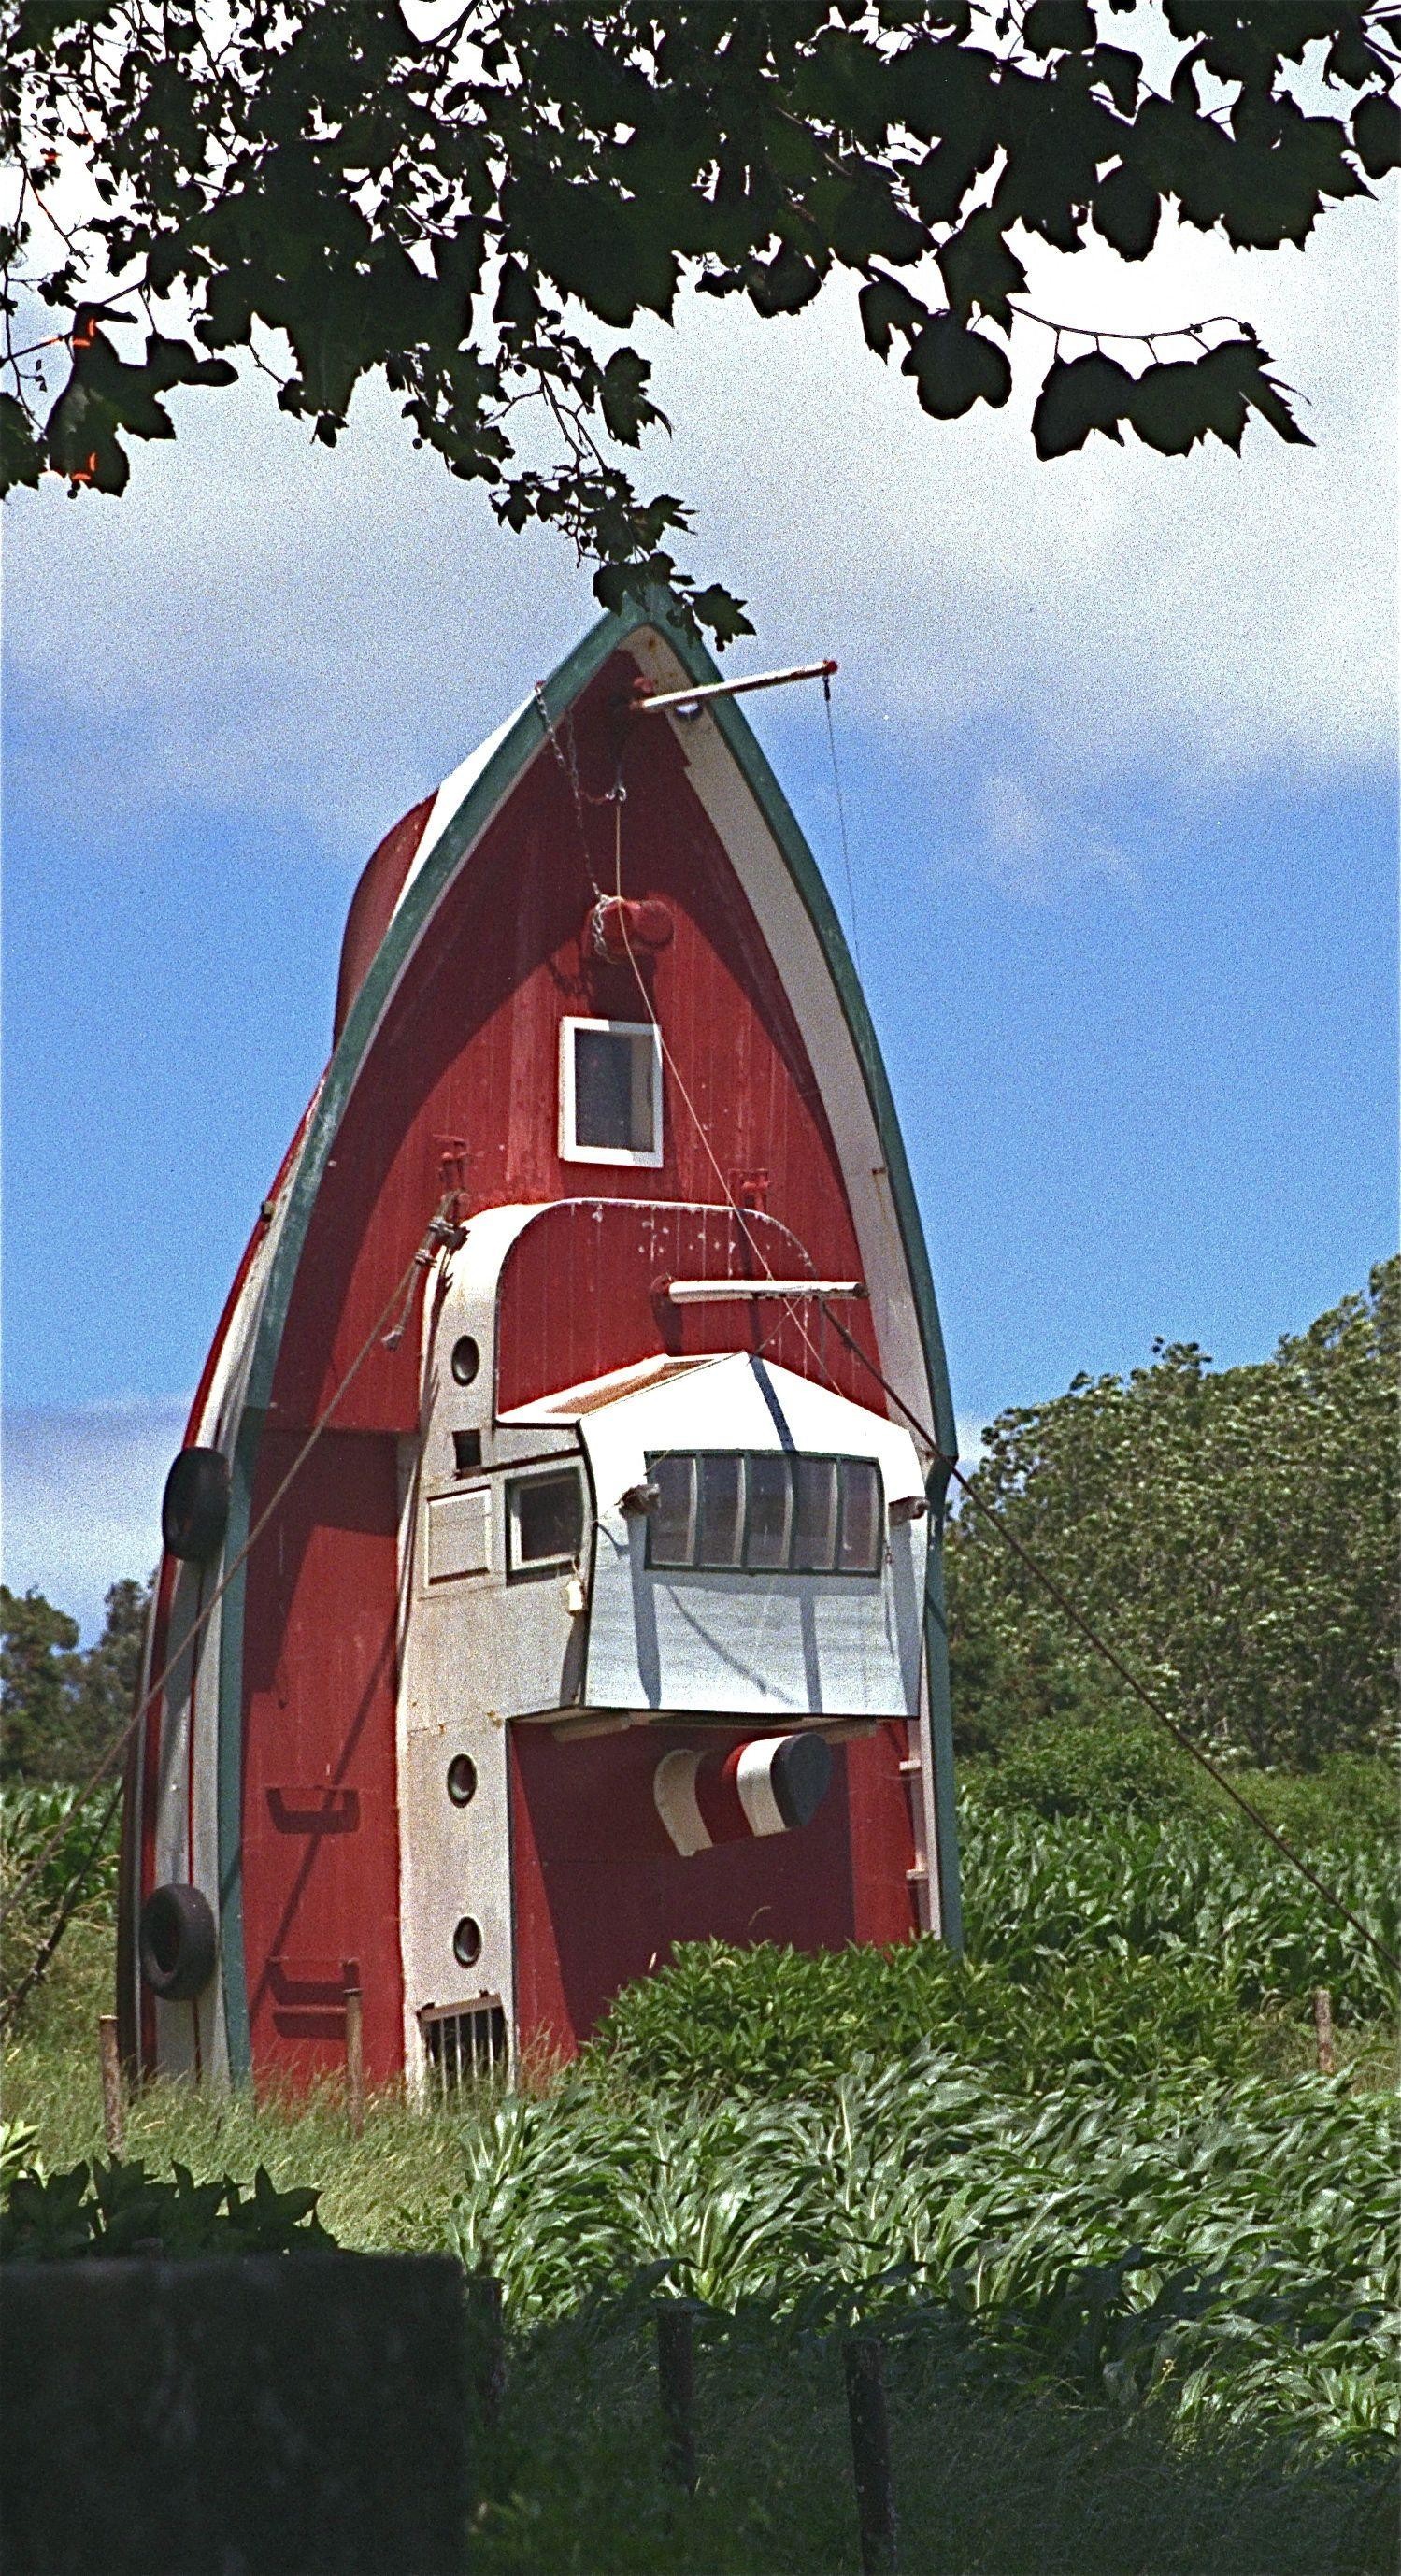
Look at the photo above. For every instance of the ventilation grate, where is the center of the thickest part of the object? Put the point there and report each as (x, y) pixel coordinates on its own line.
(462, 2042)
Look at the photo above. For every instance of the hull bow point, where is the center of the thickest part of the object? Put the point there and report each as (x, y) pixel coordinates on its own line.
(602, 1609)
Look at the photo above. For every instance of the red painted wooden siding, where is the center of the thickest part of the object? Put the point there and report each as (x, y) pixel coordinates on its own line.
(580, 1295)
(601, 1894)
(469, 1049)
(320, 1825)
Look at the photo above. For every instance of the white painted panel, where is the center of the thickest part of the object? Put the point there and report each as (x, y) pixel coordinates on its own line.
(459, 1534)
(737, 1644)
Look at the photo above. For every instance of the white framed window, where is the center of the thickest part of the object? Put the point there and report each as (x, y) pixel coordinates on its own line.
(610, 1092)
(762, 1511)
(544, 1522)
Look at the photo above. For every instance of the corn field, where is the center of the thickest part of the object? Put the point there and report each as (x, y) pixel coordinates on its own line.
(1229, 2257)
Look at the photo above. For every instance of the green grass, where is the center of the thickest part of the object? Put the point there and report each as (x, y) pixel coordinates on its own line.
(393, 2187)
(986, 2485)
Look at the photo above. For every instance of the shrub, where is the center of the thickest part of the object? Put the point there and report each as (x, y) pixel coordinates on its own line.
(1082, 1767)
(117, 2209)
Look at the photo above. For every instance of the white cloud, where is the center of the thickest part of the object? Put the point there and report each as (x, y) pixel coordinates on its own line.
(1029, 847)
(83, 1488)
(297, 632)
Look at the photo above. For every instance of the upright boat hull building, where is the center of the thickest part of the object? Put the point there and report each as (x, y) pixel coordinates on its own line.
(593, 1601)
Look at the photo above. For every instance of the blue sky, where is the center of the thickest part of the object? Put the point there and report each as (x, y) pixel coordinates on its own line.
(1116, 740)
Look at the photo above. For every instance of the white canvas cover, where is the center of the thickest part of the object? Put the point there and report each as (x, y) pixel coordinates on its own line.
(737, 1644)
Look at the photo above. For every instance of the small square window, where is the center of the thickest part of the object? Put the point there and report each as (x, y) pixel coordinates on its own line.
(545, 1520)
(610, 1092)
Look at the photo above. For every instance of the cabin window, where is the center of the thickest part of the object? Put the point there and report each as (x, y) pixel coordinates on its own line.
(671, 1536)
(610, 1092)
(814, 1515)
(764, 1512)
(720, 1538)
(858, 1548)
(545, 1519)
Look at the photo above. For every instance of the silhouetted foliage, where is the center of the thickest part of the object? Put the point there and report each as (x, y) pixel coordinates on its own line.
(328, 184)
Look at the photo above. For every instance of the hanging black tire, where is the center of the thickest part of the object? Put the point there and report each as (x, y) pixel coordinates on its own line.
(178, 1943)
(195, 1505)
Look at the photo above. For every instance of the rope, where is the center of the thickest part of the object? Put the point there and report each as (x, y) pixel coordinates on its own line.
(841, 820)
(1102, 1647)
(439, 1232)
(569, 765)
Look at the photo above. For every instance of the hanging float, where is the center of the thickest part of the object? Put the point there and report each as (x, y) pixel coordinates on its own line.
(593, 1598)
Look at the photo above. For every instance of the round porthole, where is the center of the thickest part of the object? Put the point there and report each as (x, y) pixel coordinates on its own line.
(462, 1779)
(467, 1942)
(466, 1359)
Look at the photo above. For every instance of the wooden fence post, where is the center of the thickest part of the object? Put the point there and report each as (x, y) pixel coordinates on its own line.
(676, 2384)
(1323, 2029)
(113, 2106)
(864, 2362)
(487, 2343)
(354, 2047)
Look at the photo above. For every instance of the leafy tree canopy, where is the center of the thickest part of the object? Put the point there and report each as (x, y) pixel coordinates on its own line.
(59, 1708)
(472, 201)
(1233, 1532)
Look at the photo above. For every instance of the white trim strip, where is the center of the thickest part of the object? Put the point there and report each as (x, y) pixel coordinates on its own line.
(674, 1790)
(712, 1292)
(754, 1781)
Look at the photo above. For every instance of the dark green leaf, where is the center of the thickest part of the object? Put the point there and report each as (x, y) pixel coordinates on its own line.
(21, 456)
(783, 284)
(1059, 26)
(1125, 209)
(626, 405)
(887, 307)
(1080, 395)
(1376, 131)
(954, 368)
(1120, 72)
(979, 271)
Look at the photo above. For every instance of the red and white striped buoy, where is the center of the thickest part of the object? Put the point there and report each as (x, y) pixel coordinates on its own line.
(768, 1786)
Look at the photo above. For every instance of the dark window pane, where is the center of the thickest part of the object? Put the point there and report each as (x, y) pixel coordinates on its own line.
(721, 1510)
(614, 1076)
(549, 1518)
(860, 1548)
(814, 1515)
(672, 1524)
(766, 1531)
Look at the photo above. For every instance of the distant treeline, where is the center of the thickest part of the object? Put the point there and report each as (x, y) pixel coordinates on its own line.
(1232, 1531)
(62, 1706)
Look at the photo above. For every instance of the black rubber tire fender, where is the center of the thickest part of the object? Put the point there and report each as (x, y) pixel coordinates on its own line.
(178, 1943)
(195, 1504)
